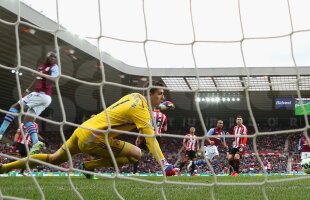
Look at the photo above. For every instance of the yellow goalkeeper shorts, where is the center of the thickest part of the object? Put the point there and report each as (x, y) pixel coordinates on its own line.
(98, 147)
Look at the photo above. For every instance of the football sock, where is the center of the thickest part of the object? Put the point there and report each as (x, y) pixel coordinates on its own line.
(32, 132)
(9, 118)
(214, 165)
(200, 162)
(21, 164)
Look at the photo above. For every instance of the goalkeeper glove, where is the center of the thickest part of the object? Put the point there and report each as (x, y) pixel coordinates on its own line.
(166, 105)
(169, 170)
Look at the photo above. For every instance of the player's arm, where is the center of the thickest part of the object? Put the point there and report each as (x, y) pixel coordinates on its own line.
(223, 140)
(210, 132)
(165, 127)
(16, 136)
(184, 142)
(245, 138)
(142, 119)
(152, 144)
(197, 143)
(29, 88)
(54, 74)
(154, 148)
(224, 145)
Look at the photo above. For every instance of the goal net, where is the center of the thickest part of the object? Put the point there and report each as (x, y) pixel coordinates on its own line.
(217, 59)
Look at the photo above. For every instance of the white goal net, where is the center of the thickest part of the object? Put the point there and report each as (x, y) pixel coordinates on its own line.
(217, 59)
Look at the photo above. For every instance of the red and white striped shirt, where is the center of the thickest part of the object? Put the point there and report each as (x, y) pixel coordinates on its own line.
(191, 142)
(19, 138)
(238, 131)
(161, 120)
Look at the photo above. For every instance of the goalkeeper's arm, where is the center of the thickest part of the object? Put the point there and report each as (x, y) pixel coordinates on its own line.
(154, 148)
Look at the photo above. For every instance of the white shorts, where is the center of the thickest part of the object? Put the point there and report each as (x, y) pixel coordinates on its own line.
(211, 151)
(304, 155)
(37, 102)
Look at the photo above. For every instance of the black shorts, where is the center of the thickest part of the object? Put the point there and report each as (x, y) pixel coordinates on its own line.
(191, 154)
(21, 149)
(234, 151)
(143, 146)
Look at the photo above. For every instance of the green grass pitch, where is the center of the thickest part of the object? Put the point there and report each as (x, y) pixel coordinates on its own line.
(59, 188)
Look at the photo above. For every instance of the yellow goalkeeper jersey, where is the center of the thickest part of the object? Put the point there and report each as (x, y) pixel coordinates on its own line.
(128, 113)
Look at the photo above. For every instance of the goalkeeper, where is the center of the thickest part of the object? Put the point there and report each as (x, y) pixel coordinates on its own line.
(161, 123)
(127, 114)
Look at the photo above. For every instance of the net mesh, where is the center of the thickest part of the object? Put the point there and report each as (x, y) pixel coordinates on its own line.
(101, 85)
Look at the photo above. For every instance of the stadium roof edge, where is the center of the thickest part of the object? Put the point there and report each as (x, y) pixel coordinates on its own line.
(42, 21)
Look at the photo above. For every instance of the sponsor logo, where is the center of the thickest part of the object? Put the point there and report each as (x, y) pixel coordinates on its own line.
(283, 102)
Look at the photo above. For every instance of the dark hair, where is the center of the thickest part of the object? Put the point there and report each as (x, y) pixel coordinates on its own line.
(154, 88)
(49, 54)
(217, 121)
(239, 116)
(156, 83)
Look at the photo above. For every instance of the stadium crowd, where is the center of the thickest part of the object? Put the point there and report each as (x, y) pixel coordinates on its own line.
(278, 153)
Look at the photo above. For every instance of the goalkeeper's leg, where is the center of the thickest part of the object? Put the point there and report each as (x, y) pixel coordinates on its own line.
(49, 158)
(104, 162)
(60, 156)
(124, 153)
(141, 143)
